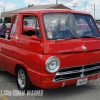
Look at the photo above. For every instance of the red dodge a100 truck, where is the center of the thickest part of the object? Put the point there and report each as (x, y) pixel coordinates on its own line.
(51, 48)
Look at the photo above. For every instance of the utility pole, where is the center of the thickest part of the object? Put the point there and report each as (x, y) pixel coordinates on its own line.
(3, 9)
(85, 6)
(56, 2)
(74, 5)
(3, 17)
(94, 10)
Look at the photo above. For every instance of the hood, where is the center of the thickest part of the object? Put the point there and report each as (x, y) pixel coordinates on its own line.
(72, 46)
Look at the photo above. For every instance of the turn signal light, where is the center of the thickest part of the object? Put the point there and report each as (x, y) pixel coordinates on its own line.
(48, 78)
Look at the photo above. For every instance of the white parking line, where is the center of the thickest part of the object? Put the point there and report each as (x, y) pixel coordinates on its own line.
(3, 97)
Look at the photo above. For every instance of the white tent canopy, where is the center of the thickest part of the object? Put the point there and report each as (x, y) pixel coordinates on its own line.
(52, 6)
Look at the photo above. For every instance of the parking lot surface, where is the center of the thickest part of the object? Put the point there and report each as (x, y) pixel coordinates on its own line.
(90, 91)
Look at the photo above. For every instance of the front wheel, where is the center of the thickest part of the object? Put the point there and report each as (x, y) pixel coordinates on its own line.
(22, 78)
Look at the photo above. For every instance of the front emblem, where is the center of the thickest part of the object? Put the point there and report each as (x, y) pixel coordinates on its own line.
(82, 72)
(82, 75)
(84, 47)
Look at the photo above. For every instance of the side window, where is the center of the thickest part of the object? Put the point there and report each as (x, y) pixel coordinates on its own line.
(13, 27)
(31, 26)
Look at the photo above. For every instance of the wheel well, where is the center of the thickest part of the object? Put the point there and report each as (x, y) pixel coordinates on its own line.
(18, 65)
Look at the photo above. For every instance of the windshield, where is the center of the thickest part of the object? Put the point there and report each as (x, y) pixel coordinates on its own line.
(63, 26)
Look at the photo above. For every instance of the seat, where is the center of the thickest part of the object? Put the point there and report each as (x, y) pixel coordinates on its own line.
(59, 35)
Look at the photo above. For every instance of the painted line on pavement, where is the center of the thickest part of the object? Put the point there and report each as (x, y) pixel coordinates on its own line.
(3, 97)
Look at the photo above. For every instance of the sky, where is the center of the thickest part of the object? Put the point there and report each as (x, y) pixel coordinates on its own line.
(81, 5)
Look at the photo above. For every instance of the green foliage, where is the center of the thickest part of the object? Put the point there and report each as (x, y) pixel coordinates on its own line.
(1, 20)
(97, 20)
(7, 20)
(30, 5)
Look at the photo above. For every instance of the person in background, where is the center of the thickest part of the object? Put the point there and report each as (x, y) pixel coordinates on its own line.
(25, 23)
(3, 30)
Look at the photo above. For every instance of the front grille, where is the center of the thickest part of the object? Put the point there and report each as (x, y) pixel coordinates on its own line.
(77, 72)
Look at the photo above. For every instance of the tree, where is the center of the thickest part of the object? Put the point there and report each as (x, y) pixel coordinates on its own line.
(1, 20)
(30, 5)
(7, 20)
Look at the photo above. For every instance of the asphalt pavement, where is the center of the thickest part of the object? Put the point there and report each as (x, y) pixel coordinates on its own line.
(90, 91)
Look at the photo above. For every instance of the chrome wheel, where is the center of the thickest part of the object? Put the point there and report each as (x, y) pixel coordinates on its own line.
(21, 78)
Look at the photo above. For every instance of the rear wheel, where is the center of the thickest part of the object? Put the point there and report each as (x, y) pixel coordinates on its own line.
(22, 79)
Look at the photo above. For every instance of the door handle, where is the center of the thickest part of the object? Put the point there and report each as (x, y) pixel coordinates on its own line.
(20, 43)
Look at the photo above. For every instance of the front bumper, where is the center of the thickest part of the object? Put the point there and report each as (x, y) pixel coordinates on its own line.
(52, 84)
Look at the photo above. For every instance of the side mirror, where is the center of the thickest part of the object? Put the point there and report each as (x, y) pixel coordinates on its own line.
(34, 37)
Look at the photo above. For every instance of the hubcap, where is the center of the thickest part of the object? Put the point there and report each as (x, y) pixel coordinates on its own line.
(21, 78)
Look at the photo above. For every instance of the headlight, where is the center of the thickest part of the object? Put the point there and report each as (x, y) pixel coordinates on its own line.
(52, 64)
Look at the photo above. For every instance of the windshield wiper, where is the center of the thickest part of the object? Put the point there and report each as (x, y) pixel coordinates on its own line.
(65, 39)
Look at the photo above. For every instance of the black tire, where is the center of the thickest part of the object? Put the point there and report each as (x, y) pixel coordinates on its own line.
(27, 85)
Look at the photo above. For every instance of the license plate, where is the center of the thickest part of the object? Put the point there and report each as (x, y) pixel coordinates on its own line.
(81, 81)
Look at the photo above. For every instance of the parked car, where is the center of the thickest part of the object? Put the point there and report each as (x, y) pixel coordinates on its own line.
(98, 26)
(8, 26)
